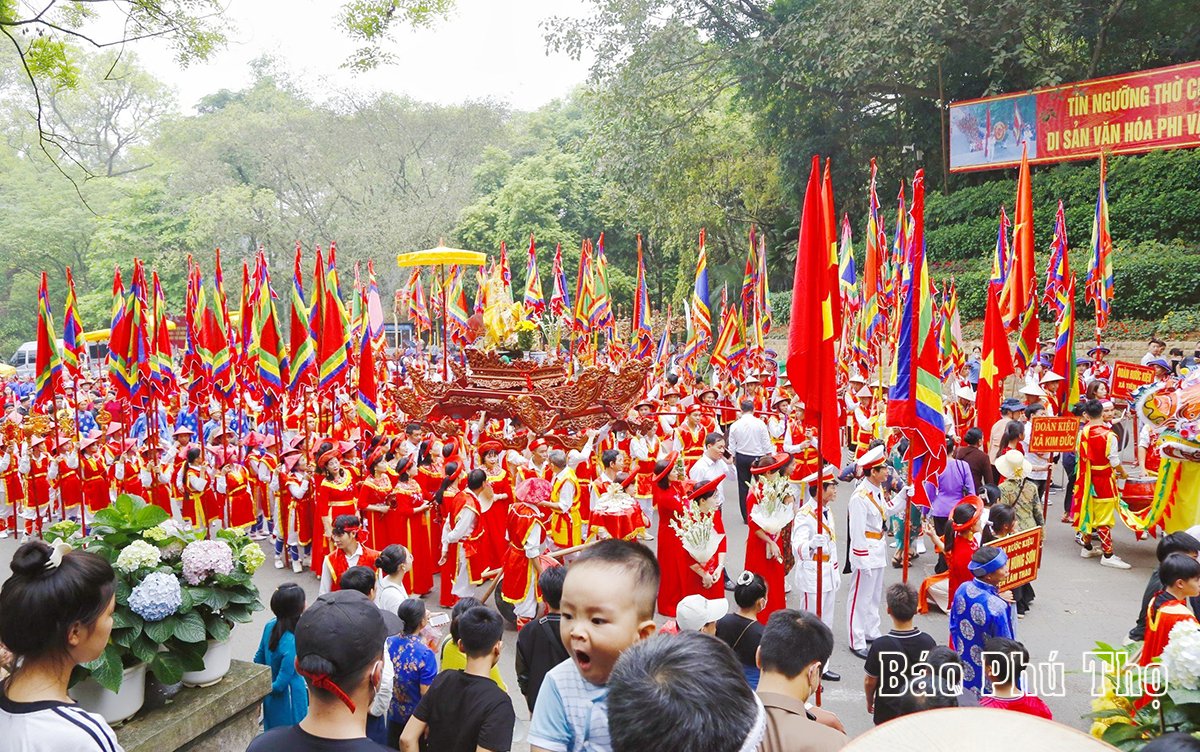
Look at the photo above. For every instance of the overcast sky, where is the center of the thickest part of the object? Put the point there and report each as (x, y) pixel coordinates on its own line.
(487, 48)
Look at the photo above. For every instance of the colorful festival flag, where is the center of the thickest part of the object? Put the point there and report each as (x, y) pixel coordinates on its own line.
(731, 343)
(874, 272)
(73, 348)
(534, 302)
(701, 314)
(641, 338)
(365, 402)
(301, 353)
(1056, 270)
(560, 301)
(48, 363)
(331, 346)
(583, 287)
(1100, 265)
(915, 399)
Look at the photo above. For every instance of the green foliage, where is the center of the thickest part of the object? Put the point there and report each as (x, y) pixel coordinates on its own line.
(372, 21)
(50, 59)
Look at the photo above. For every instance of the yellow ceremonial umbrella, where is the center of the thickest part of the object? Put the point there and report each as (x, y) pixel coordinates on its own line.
(441, 257)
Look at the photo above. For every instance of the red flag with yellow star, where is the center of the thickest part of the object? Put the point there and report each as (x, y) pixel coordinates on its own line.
(997, 365)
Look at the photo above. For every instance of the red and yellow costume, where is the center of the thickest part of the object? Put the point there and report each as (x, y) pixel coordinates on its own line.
(691, 443)
(334, 496)
(70, 485)
(964, 419)
(1096, 488)
(239, 496)
(338, 564)
(520, 571)
(412, 532)
(94, 473)
(300, 510)
(375, 491)
(565, 527)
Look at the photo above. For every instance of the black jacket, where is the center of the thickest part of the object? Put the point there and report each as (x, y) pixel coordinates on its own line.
(539, 649)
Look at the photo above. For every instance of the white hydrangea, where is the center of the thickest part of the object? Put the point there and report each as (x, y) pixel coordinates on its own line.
(137, 555)
(1181, 656)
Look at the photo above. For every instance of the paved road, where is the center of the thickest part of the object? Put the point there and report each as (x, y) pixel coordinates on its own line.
(1078, 603)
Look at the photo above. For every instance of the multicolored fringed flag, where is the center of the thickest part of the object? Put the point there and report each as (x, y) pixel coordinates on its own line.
(1100, 265)
(534, 302)
(73, 344)
(560, 301)
(701, 313)
(365, 402)
(331, 347)
(1056, 271)
(48, 363)
(301, 355)
(915, 399)
(270, 356)
(641, 339)
(731, 344)
(583, 288)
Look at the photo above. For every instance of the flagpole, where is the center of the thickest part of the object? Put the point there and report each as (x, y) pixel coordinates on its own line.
(445, 322)
(78, 440)
(283, 520)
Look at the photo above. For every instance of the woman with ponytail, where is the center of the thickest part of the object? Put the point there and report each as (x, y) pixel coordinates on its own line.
(287, 703)
(959, 542)
(56, 612)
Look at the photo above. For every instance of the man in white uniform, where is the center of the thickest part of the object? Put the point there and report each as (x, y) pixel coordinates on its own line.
(869, 510)
(807, 541)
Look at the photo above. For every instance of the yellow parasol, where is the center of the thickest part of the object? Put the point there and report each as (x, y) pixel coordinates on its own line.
(441, 257)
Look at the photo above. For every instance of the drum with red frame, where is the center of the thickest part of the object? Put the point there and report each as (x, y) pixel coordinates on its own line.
(1137, 493)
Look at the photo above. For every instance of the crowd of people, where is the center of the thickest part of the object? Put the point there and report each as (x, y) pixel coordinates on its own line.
(590, 544)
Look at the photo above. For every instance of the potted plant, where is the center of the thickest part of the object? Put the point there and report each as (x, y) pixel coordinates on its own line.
(216, 577)
(146, 592)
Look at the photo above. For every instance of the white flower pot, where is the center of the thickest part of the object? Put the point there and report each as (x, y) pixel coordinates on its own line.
(216, 664)
(114, 707)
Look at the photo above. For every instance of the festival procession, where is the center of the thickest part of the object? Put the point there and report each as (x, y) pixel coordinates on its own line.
(491, 508)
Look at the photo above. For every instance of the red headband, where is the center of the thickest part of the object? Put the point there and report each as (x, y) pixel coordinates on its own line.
(322, 681)
(978, 504)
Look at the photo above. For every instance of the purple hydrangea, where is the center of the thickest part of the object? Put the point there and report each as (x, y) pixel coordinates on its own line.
(202, 559)
(156, 597)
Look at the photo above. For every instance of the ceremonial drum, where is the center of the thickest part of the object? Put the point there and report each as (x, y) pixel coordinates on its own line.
(1137, 493)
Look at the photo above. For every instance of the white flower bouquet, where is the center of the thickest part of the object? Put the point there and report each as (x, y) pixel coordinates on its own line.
(776, 505)
(697, 532)
(614, 501)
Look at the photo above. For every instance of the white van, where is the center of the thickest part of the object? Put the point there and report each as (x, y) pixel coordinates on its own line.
(25, 360)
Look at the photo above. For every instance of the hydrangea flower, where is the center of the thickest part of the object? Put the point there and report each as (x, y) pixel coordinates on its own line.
(172, 551)
(156, 534)
(204, 558)
(1181, 656)
(137, 555)
(156, 597)
(251, 557)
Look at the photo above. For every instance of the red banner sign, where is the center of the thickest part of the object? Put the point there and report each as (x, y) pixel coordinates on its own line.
(1024, 557)
(1049, 435)
(1128, 113)
(1127, 377)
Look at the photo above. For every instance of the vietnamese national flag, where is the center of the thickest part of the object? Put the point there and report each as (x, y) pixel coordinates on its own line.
(997, 365)
(811, 334)
(1020, 289)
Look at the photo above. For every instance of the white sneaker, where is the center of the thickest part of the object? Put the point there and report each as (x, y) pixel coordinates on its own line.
(278, 563)
(1114, 561)
(297, 566)
(1088, 553)
(920, 545)
(3, 534)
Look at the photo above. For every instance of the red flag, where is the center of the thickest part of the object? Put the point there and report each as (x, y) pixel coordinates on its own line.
(1020, 289)
(811, 334)
(997, 365)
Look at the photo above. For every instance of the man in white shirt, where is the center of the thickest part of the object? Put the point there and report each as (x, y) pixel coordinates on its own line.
(749, 439)
(1156, 349)
(713, 464)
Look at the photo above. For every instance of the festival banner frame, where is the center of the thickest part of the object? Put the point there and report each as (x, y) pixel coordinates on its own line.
(1050, 435)
(1024, 557)
(1128, 377)
(1127, 113)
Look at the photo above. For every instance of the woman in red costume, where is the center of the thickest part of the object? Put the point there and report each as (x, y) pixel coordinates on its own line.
(706, 579)
(429, 476)
(376, 501)
(673, 561)
(335, 495)
(412, 529)
(764, 551)
(451, 497)
(233, 483)
(495, 519)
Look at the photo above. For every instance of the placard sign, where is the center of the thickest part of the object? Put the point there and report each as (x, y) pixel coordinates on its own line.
(1127, 377)
(1024, 557)
(1127, 113)
(1049, 435)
